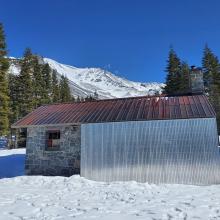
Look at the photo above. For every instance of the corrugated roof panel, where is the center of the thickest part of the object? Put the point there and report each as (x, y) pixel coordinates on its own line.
(186, 100)
(137, 107)
(141, 109)
(108, 109)
(70, 114)
(150, 109)
(126, 109)
(199, 106)
(209, 107)
(172, 107)
(166, 108)
(130, 110)
(115, 110)
(161, 108)
(155, 113)
(78, 115)
(92, 111)
(182, 108)
(189, 111)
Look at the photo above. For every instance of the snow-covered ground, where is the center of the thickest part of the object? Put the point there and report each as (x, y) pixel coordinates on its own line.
(5, 152)
(48, 198)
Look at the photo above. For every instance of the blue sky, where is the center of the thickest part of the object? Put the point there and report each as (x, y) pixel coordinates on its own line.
(131, 38)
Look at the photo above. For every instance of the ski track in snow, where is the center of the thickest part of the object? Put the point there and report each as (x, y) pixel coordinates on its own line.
(50, 198)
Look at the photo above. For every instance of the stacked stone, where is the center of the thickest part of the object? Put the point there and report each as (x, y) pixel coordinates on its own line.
(64, 161)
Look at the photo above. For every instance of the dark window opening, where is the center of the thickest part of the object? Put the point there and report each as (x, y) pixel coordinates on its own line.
(21, 137)
(53, 140)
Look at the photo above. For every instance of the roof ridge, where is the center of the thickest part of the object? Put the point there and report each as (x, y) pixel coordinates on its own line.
(124, 98)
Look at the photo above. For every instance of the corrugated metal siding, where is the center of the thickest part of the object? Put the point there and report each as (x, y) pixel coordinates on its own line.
(171, 151)
(127, 109)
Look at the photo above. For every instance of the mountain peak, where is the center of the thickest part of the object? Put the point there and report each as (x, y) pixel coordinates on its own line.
(86, 81)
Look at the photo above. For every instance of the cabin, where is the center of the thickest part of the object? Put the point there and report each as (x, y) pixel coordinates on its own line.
(159, 139)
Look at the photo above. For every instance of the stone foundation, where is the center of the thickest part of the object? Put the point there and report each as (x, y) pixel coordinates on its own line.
(65, 161)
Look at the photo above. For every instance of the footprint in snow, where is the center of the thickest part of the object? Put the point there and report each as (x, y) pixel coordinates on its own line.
(169, 217)
(178, 210)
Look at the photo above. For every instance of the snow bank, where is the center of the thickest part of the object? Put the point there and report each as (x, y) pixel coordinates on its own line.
(6, 152)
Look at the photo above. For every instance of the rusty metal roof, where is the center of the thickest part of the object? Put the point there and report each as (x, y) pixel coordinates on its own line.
(124, 109)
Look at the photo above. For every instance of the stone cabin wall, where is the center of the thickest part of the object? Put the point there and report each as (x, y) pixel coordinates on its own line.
(63, 162)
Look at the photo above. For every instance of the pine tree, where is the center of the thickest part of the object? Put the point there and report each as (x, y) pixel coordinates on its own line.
(73, 99)
(47, 84)
(14, 100)
(55, 88)
(26, 102)
(78, 99)
(211, 69)
(65, 94)
(210, 64)
(4, 97)
(184, 78)
(37, 82)
(96, 96)
(173, 79)
(87, 98)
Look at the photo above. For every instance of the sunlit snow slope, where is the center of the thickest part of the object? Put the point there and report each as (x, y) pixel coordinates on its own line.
(85, 81)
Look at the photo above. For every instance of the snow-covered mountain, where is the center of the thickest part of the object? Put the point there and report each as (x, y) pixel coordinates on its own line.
(85, 81)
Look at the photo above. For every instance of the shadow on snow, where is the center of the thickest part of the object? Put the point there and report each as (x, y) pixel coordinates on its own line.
(12, 165)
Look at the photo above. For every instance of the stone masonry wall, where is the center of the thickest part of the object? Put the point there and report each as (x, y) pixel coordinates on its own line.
(63, 162)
